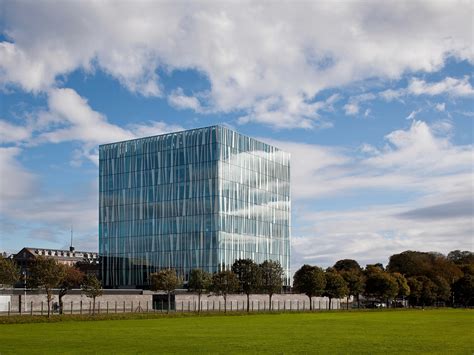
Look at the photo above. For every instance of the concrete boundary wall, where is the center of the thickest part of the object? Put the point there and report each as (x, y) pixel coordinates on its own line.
(142, 301)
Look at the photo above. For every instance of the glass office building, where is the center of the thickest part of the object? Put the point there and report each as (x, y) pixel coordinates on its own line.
(200, 198)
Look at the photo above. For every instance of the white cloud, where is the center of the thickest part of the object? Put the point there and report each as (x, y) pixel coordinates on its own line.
(10, 133)
(420, 163)
(179, 100)
(448, 86)
(269, 60)
(16, 182)
(351, 109)
(441, 107)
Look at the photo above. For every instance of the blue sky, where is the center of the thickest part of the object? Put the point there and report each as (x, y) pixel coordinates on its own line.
(374, 101)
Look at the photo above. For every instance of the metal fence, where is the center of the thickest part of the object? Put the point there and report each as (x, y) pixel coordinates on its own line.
(87, 307)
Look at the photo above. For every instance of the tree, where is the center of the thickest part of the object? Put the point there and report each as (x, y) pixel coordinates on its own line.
(223, 283)
(309, 280)
(415, 290)
(9, 272)
(336, 286)
(355, 283)
(380, 285)
(272, 278)
(199, 282)
(92, 287)
(165, 280)
(72, 279)
(46, 273)
(249, 276)
(464, 290)
(402, 283)
(347, 265)
(461, 257)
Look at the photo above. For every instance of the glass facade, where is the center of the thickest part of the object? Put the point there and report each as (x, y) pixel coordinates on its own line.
(194, 199)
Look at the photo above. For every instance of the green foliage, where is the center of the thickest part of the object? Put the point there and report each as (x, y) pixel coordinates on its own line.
(92, 288)
(376, 332)
(72, 279)
(347, 265)
(46, 274)
(223, 283)
(309, 280)
(464, 290)
(272, 278)
(9, 272)
(355, 282)
(165, 280)
(336, 286)
(380, 285)
(402, 283)
(250, 277)
(200, 281)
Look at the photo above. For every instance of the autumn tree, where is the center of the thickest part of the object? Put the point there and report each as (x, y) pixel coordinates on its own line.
(165, 280)
(46, 274)
(249, 275)
(72, 279)
(92, 288)
(224, 283)
(309, 280)
(336, 286)
(200, 281)
(9, 272)
(402, 283)
(272, 278)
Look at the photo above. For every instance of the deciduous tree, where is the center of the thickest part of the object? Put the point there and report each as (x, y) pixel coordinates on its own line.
(9, 272)
(309, 280)
(92, 287)
(336, 286)
(165, 280)
(47, 274)
(272, 278)
(200, 281)
(249, 275)
(72, 279)
(224, 283)
(355, 283)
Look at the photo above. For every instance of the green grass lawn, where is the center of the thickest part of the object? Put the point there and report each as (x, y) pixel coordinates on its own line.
(417, 331)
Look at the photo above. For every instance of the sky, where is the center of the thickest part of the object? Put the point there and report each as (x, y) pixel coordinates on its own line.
(374, 101)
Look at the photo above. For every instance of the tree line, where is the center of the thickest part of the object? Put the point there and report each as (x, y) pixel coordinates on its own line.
(47, 274)
(420, 278)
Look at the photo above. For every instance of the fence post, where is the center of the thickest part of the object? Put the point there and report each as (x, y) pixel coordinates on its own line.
(90, 308)
(131, 307)
(115, 307)
(71, 307)
(107, 307)
(41, 307)
(31, 308)
(123, 306)
(146, 306)
(9, 306)
(161, 306)
(80, 311)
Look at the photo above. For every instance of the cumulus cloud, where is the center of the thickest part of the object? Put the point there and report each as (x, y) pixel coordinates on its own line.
(419, 162)
(449, 86)
(269, 60)
(11, 133)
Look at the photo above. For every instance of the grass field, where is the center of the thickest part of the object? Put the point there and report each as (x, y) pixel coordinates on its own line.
(417, 331)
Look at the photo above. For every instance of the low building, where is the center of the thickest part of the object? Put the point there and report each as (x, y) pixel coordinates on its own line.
(87, 261)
